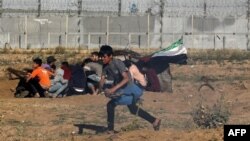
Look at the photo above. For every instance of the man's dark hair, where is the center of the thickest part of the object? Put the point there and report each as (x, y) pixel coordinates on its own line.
(53, 67)
(86, 61)
(106, 50)
(38, 61)
(95, 53)
(65, 63)
(50, 59)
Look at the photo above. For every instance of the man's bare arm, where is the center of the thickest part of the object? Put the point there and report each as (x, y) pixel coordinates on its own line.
(124, 81)
(102, 81)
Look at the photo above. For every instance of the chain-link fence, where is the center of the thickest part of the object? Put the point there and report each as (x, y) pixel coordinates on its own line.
(124, 23)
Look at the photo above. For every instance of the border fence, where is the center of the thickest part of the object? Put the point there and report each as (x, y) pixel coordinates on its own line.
(124, 23)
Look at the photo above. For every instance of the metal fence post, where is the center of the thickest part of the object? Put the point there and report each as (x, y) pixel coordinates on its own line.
(8, 40)
(20, 41)
(39, 6)
(214, 41)
(193, 30)
(89, 40)
(99, 41)
(139, 41)
(148, 30)
(224, 42)
(161, 21)
(235, 30)
(107, 34)
(129, 40)
(66, 30)
(25, 32)
(60, 40)
(48, 39)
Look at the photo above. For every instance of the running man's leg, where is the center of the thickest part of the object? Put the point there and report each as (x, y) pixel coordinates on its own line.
(134, 109)
(111, 114)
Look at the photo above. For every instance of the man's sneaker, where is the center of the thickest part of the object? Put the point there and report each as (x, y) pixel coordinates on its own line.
(52, 95)
(24, 93)
(46, 94)
(36, 95)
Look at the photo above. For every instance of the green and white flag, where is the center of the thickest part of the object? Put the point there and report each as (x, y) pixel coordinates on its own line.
(176, 48)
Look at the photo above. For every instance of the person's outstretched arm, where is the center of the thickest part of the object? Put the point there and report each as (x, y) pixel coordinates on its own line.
(124, 81)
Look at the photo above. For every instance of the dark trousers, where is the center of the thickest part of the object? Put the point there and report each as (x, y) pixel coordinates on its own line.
(133, 108)
(35, 87)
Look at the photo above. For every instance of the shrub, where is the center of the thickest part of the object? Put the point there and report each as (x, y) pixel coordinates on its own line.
(131, 127)
(206, 117)
(59, 50)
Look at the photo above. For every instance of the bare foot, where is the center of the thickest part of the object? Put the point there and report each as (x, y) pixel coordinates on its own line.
(94, 94)
(157, 124)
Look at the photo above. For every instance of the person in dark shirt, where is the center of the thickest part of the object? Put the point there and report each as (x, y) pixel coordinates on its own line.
(123, 91)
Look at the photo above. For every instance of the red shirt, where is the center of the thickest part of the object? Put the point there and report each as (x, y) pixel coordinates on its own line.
(67, 73)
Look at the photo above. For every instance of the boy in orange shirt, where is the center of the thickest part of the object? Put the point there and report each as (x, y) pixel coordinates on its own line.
(39, 79)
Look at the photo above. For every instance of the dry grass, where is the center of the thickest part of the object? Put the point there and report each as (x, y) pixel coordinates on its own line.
(207, 55)
(202, 55)
(211, 117)
(46, 119)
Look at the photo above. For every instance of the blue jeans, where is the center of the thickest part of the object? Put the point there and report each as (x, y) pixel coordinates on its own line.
(55, 87)
(129, 93)
(58, 88)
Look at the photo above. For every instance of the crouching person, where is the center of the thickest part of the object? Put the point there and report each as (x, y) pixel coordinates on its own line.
(123, 91)
(38, 80)
(60, 81)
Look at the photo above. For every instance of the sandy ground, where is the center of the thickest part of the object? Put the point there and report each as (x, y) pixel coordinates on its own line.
(82, 117)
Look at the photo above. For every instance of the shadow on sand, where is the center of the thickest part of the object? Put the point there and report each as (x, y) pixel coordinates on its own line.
(96, 128)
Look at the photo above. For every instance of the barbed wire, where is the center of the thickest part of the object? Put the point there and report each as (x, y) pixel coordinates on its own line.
(172, 8)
